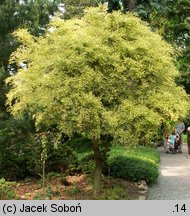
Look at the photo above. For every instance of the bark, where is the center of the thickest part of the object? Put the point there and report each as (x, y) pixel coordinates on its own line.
(132, 4)
(98, 169)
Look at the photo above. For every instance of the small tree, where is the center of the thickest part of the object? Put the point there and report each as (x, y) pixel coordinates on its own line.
(104, 74)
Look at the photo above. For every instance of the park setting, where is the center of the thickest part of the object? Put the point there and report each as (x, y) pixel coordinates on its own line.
(94, 99)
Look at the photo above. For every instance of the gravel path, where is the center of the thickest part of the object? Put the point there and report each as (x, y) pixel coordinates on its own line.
(174, 179)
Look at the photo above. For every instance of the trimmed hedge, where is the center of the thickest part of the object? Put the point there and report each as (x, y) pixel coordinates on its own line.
(134, 165)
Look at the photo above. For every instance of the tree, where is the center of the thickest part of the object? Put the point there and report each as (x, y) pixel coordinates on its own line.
(127, 5)
(34, 15)
(130, 4)
(75, 8)
(97, 78)
(179, 26)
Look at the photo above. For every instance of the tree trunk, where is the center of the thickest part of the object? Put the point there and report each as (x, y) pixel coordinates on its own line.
(129, 5)
(98, 169)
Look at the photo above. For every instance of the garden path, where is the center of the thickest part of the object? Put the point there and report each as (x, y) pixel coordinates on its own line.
(174, 179)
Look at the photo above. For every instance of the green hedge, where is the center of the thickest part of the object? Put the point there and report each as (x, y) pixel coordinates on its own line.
(136, 164)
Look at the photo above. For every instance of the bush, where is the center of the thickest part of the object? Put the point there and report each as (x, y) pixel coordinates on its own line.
(134, 165)
(7, 190)
(114, 193)
(14, 157)
(86, 162)
(13, 135)
(84, 154)
(24, 158)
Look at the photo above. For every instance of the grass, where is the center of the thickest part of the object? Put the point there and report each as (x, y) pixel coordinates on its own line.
(184, 138)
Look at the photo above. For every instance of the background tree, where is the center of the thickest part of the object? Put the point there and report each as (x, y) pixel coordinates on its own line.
(75, 8)
(97, 78)
(35, 16)
(177, 30)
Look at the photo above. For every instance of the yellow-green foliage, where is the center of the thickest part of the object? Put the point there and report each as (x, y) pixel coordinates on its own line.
(102, 74)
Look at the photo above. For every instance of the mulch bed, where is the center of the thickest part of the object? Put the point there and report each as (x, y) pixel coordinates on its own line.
(75, 188)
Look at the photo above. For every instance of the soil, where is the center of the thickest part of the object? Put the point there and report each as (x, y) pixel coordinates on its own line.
(76, 188)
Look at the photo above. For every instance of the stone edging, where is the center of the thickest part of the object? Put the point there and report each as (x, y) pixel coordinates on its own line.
(143, 189)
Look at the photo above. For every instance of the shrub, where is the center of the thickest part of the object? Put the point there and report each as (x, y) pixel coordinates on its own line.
(60, 159)
(84, 154)
(53, 175)
(7, 190)
(14, 157)
(24, 158)
(134, 165)
(85, 162)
